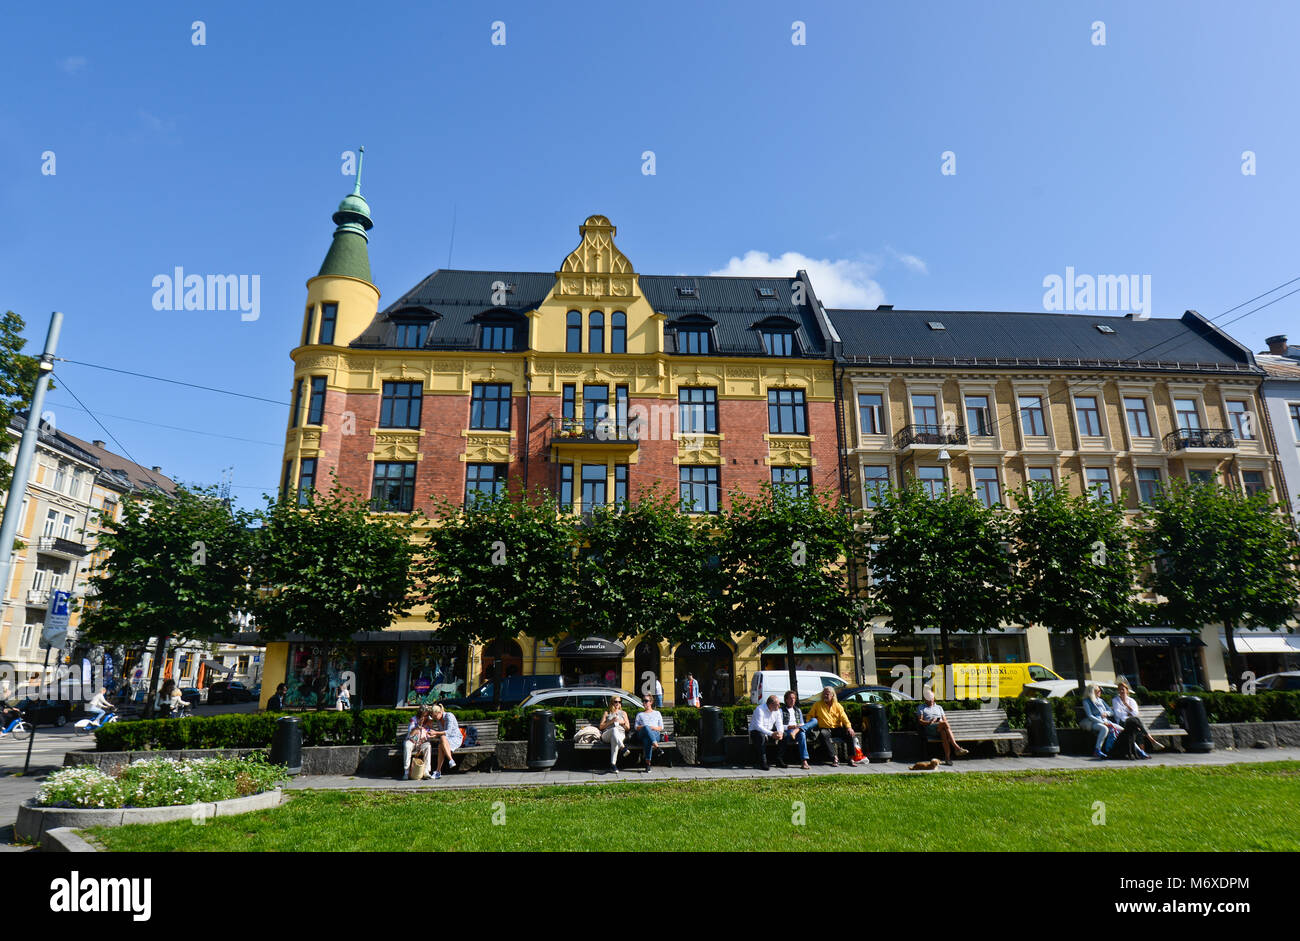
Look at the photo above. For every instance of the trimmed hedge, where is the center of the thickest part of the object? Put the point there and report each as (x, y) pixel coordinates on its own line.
(381, 726)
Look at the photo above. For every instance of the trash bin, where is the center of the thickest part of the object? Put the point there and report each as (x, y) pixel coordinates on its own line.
(1192, 717)
(713, 750)
(286, 744)
(541, 739)
(877, 744)
(1040, 723)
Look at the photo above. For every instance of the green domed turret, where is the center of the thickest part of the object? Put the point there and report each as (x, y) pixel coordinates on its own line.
(348, 255)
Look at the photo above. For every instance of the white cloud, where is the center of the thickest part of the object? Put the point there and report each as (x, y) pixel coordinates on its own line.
(72, 64)
(838, 282)
(910, 262)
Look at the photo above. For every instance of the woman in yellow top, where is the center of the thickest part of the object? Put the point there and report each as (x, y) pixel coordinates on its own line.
(833, 722)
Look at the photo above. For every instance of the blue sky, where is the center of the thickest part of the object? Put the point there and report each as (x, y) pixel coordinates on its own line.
(225, 159)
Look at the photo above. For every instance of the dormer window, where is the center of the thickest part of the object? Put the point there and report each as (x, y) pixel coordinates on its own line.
(778, 342)
(497, 336)
(693, 340)
(412, 336)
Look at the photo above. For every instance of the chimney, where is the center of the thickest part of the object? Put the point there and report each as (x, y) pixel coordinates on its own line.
(157, 470)
(1277, 345)
(98, 444)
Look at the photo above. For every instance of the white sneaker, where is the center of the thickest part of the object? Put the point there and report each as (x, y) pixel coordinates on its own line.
(450, 763)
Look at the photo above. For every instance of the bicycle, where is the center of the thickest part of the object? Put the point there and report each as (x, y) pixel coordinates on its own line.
(87, 726)
(18, 729)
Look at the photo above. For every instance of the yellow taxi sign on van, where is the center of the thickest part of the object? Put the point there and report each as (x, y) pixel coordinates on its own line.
(986, 680)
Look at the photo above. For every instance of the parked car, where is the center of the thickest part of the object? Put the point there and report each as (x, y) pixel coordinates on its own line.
(1279, 682)
(776, 682)
(982, 680)
(49, 711)
(580, 697)
(514, 690)
(1053, 689)
(864, 694)
(224, 693)
(192, 695)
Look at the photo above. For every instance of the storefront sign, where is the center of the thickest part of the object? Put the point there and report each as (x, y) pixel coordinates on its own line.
(593, 647)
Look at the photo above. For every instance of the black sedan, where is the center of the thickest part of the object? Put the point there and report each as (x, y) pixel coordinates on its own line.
(866, 694)
(192, 695)
(225, 693)
(48, 711)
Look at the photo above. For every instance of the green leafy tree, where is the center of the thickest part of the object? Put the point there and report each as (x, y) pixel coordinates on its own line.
(330, 568)
(937, 562)
(1074, 566)
(177, 567)
(500, 569)
(1220, 557)
(17, 380)
(644, 568)
(783, 563)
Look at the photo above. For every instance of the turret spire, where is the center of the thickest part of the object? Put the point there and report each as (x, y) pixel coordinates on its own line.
(348, 255)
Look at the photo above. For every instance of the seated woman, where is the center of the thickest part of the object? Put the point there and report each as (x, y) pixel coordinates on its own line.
(1125, 709)
(614, 726)
(933, 722)
(446, 732)
(417, 740)
(1097, 718)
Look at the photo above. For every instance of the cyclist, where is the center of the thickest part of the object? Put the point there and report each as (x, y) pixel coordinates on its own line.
(101, 704)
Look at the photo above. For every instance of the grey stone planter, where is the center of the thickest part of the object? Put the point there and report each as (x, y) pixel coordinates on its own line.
(34, 821)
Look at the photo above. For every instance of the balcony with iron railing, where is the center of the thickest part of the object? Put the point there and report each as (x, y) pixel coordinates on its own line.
(64, 548)
(931, 437)
(595, 431)
(1201, 439)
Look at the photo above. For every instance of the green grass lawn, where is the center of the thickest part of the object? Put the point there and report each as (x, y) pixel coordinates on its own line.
(1234, 807)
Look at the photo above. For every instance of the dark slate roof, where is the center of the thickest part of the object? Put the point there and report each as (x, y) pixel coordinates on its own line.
(54, 439)
(986, 338)
(455, 302)
(123, 473)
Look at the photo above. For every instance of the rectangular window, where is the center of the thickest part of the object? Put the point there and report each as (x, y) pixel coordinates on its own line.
(778, 342)
(497, 337)
(569, 401)
(489, 406)
(1041, 475)
(297, 404)
(1085, 409)
(620, 411)
(400, 405)
(595, 408)
(593, 487)
(51, 520)
(875, 481)
(693, 341)
(596, 332)
(925, 412)
(1241, 421)
(329, 315)
(1139, 423)
(871, 413)
(38, 580)
(797, 481)
(987, 488)
(573, 333)
(1252, 482)
(786, 412)
(394, 487)
(308, 323)
(1189, 419)
(412, 336)
(284, 481)
(932, 480)
(620, 483)
(65, 531)
(1031, 415)
(316, 407)
(306, 479)
(699, 489)
(618, 332)
(1196, 477)
(566, 486)
(484, 482)
(978, 418)
(1099, 485)
(60, 477)
(1295, 421)
(27, 636)
(697, 411)
(1149, 484)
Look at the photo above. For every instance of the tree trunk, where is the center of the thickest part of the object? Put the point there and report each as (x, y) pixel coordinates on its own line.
(1234, 661)
(499, 648)
(947, 662)
(160, 651)
(1078, 661)
(789, 663)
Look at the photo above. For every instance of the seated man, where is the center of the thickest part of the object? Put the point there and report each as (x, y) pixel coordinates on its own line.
(417, 740)
(932, 719)
(764, 723)
(649, 729)
(794, 729)
(832, 723)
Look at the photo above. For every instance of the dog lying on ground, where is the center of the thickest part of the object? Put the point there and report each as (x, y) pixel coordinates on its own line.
(925, 765)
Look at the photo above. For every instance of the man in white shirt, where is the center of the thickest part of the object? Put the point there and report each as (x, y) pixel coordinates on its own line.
(101, 704)
(765, 723)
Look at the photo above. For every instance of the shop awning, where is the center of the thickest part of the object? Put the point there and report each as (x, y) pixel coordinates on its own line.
(1157, 640)
(590, 648)
(800, 647)
(1256, 643)
(217, 666)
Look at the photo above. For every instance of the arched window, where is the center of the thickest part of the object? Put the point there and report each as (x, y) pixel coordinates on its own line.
(618, 332)
(596, 333)
(573, 333)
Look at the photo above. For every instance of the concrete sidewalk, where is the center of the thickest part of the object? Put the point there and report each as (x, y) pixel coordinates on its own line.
(508, 779)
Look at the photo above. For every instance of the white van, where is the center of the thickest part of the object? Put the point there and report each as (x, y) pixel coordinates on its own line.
(776, 682)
